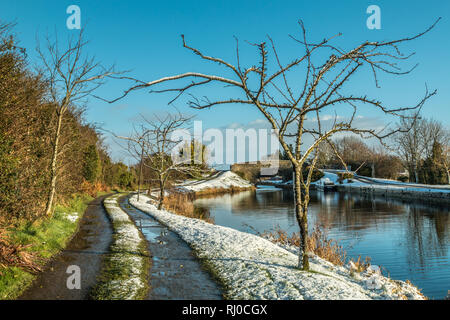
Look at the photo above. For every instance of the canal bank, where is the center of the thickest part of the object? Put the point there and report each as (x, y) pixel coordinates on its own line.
(368, 186)
(377, 187)
(251, 267)
(409, 239)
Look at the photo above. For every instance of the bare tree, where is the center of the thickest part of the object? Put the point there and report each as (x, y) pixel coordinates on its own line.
(289, 101)
(410, 146)
(156, 145)
(353, 150)
(72, 76)
(432, 131)
(136, 145)
(414, 142)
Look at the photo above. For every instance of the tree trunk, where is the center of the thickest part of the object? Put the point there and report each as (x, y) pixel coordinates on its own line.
(302, 220)
(140, 173)
(161, 194)
(53, 168)
(416, 171)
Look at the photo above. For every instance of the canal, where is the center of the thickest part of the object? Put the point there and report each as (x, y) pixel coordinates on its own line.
(410, 241)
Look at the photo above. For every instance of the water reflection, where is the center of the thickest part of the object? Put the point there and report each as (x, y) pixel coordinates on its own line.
(410, 239)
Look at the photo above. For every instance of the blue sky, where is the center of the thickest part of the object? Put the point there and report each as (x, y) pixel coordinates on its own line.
(144, 36)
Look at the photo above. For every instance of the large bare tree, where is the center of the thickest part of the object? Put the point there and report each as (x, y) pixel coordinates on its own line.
(72, 76)
(291, 101)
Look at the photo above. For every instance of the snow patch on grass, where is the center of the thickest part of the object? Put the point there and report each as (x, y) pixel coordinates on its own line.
(72, 217)
(251, 267)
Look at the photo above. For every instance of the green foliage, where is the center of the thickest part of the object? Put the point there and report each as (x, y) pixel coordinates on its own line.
(119, 175)
(91, 168)
(432, 171)
(27, 131)
(22, 140)
(13, 281)
(344, 175)
(47, 237)
(8, 174)
(316, 175)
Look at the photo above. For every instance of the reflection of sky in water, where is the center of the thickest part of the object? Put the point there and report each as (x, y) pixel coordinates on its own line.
(410, 240)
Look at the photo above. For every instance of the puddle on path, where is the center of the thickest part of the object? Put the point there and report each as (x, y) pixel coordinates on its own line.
(175, 273)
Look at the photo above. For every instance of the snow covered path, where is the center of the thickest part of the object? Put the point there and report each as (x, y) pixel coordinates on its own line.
(251, 267)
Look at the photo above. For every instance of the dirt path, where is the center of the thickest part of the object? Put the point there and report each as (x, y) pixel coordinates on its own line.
(86, 250)
(175, 272)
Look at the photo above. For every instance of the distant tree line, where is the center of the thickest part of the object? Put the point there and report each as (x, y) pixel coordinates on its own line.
(424, 150)
(359, 157)
(28, 122)
(420, 155)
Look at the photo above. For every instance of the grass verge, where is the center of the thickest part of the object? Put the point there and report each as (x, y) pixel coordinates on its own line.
(44, 238)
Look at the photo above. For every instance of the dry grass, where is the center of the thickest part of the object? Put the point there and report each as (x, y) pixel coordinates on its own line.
(216, 191)
(181, 204)
(327, 249)
(93, 189)
(16, 255)
(360, 265)
(317, 243)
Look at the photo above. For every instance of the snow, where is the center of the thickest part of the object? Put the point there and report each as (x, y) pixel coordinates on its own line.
(385, 184)
(251, 267)
(399, 183)
(221, 180)
(72, 217)
(330, 176)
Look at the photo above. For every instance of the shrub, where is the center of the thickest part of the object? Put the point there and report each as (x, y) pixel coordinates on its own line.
(91, 167)
(181, 204)
(216, 191)
(344, 175)
(317, 243)
(359, 265)
(93, 189)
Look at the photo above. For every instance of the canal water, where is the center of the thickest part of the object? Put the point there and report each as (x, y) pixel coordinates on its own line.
(411, 241)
